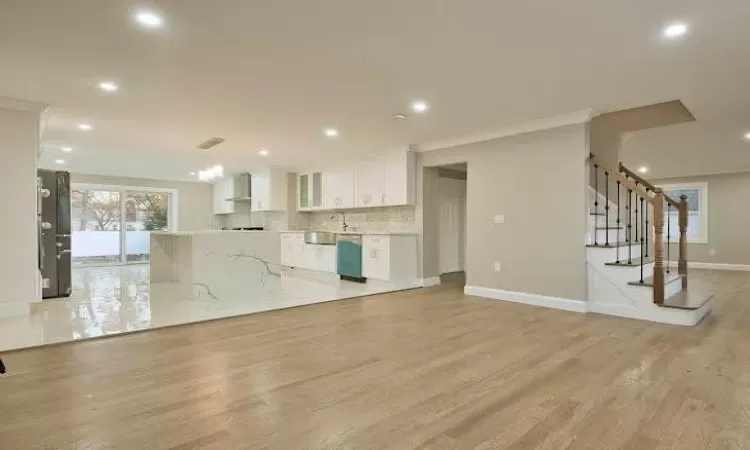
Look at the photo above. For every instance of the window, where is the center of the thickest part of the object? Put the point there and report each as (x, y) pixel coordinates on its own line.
(112, 224)
(697, 198)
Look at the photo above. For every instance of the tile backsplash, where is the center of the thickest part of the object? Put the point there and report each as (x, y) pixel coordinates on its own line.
(394, 218)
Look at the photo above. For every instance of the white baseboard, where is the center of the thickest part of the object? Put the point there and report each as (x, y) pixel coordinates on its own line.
(713, 266)
(14, 309)
(529, 299)
(658, 314)
(427, 282)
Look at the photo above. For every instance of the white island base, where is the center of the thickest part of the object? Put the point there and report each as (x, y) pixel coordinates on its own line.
(212, 274)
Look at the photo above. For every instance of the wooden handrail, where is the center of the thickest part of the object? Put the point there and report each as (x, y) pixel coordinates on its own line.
(624, 180)
(650, 186)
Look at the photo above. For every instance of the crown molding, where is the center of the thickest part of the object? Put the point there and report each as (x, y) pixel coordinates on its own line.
(22, 105)
(562, 120)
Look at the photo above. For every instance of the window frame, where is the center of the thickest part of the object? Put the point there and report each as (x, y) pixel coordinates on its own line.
(702, 213)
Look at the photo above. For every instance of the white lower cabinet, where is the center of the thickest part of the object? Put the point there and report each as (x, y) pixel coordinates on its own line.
(296, 253)
(389, 257)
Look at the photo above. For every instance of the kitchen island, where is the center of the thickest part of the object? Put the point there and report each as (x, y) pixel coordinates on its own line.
(215, 263)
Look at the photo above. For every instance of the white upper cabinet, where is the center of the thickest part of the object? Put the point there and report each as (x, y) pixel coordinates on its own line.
(310, 191)
(400, 179)
(370, 182)
(339, 190)
(223, 189)
(268, 191)
(387, 181)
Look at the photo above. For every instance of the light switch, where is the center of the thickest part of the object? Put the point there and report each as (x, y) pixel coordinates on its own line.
(499, 218)
(498, 267)
(712, 252)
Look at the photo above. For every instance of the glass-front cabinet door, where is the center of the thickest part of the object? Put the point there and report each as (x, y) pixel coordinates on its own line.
(304, 191)
(317, 190)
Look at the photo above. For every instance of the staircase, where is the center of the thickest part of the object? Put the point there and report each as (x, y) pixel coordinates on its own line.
(632, 269)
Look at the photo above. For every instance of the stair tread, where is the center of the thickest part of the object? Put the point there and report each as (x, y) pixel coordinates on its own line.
(649, 281)
(635, 262)
(687, 299)
(611, 245)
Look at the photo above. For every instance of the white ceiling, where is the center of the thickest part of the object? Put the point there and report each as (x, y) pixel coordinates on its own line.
(274, 74)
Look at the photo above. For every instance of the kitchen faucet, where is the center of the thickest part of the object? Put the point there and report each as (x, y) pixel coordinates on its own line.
(344, 226)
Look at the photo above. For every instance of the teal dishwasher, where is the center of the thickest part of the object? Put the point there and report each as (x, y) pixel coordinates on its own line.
(349, 257)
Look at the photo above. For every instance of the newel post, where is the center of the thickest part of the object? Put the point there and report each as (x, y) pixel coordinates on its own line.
(658, 246)
(683, 222)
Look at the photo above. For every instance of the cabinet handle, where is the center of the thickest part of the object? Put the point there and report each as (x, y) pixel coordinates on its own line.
(372, 254)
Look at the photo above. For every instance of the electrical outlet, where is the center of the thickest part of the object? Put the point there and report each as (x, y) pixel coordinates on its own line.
(712, 252)
(498, 267)
(499, 218)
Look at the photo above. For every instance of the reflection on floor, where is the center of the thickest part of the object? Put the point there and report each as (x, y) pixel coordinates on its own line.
(120, 299)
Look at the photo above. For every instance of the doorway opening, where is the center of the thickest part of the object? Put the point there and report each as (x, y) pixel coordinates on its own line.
(451, 197)
(112, 224)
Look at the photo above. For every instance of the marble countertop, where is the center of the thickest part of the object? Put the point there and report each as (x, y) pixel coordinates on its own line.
(191, 233)
(397, 233)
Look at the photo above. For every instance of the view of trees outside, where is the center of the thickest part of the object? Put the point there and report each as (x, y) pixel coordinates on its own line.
(97, 210)
(98, 221)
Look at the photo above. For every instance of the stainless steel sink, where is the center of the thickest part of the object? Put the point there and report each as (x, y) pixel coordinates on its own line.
(320, 238)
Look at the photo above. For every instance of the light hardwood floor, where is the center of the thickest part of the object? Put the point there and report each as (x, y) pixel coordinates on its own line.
(417, 369)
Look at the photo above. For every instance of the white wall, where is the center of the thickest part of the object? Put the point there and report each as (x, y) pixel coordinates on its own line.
(195, 208)
(19, 143)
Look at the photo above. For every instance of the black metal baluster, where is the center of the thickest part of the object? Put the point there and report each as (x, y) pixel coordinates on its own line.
(596, 201)
(606, 208)
(637, 235)
(669, 210)
(618, 223)
(629, 238)
(642, 231)
(646, 228)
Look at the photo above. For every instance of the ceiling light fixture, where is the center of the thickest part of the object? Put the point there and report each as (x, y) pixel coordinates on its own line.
(399, 116)
(67, 149)
(675, 30)
(211, 173)
(747, 136)
(331, 132)
(643, 169)
(149, 19)
(108, 86)
(419, 106)
(263, 152)
(59, 161)
(85, 126)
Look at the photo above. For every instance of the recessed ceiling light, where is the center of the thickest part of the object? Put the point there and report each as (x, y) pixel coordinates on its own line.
(85, 126)
(108, 86)
(643, 169)
(67, 149)
(192, 174)
(332, 132)
(675, 30)
(747, 136)
(263, 152)
(149, 19)
(419, 106)
(59, 161)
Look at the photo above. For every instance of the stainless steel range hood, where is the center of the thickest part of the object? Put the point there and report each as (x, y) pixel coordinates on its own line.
(242, 188)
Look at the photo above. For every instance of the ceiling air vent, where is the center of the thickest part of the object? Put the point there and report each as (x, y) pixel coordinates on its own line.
(213, 142)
